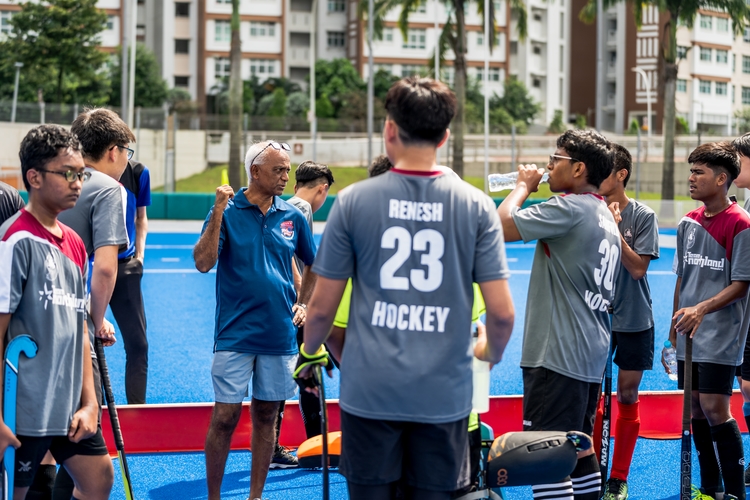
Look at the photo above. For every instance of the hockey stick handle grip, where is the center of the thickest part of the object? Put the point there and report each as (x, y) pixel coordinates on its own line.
(108, 395)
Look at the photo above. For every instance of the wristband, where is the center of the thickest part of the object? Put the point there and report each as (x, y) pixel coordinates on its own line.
(304, 360)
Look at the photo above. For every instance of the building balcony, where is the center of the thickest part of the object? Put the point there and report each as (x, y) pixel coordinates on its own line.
(299, 56)
(611, 38)
(300, 21)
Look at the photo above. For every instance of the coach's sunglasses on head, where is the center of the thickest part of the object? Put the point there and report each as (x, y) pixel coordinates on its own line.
(131, 152)
(70, 175)
(554, 158)
(278, 146)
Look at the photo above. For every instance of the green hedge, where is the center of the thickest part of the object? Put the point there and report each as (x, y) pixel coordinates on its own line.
(195, 206)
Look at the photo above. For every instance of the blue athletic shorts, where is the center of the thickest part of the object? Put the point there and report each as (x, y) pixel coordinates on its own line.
(271, 376)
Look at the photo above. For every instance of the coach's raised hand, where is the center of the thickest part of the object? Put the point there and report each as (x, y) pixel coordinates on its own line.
(224, 193)
(206, 251)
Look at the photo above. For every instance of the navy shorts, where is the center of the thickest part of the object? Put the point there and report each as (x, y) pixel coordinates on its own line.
(32, 450)
(708, 378)
(634, 351)
(426, 456)
(555, 402)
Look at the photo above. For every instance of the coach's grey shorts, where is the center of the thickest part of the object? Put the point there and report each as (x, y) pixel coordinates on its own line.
(271, 376)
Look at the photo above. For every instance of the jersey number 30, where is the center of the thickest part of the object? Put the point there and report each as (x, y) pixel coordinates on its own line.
(605, 273)
(400, 238)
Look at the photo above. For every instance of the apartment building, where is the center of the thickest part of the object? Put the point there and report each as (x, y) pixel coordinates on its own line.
(541, 60)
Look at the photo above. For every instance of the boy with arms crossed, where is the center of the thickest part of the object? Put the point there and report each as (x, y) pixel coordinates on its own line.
(633, 319)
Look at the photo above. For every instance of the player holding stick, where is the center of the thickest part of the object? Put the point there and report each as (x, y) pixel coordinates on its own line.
(710, 305)
(632, 318)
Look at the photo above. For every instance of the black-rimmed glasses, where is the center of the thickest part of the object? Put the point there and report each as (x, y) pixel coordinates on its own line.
(70, 175)
(278, 146)
(552, 159)
(131, 152)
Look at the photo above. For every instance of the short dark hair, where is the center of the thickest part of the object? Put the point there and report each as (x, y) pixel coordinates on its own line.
(98, 129)
(309, 174)
(422, 108)
(742, 145)
(718, 156)
(623, 161)
(43, 144)
(379, 166)
(592, 149)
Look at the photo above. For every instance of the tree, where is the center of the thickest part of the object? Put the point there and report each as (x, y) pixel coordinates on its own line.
(517, 101)
(297, 104)
(58, 39)
(180, 100)
(743, 119)
(335, 79)
(453, 37)
(150, 87)
(684, 12)
(278, 103)
(236, 88)
(556, 126)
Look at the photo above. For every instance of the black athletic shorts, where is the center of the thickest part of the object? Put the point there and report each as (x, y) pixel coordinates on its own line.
(427, 456)
(32, 450)
(708, 378)
(634, 350)
(555, 402)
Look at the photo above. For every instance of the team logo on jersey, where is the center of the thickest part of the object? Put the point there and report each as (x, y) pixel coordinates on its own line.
(287, 229)
(628, 235)
(690, 238)
(51, 267)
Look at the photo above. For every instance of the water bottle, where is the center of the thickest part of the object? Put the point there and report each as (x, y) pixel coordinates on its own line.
(670, 358)
(501, 182)
(480, 398)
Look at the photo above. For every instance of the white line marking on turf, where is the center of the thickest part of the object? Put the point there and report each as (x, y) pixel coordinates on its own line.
(175, 271)
(512, 259)
(170, 259)
(169, 247)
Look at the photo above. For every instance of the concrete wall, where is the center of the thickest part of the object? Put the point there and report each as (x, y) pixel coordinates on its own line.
(190, 151)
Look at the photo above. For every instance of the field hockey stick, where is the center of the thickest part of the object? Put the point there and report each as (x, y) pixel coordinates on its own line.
(606, 418)
(686, 449)
(21, 344)
(318, 371)
(113, 419)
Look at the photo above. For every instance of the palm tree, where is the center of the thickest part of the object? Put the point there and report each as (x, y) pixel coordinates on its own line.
(235, 100)
(680, 11)
(452, 37)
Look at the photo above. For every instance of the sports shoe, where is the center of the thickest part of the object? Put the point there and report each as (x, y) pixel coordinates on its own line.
(282, 459)
(616, 489)
(747, 476)
(697, 494)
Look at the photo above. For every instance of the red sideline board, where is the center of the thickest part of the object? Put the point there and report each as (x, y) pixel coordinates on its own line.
(183, 427)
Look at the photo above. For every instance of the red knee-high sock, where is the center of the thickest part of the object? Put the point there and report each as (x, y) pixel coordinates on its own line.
(626, 430)
(598, 423)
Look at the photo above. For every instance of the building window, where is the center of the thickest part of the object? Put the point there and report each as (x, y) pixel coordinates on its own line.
(562, 25)
(746, 35)
(181, 81)
(262, 67)
(537, 50)
(336, 6)
(746, 64)
(746, 95)
(415, 39)
(536, 83)
(513, 48)
(706, 22)
(681, 85)
(182, 46)
(181, 9)
(421, 8)
(222, 67)
(110, 23)
(388, 68)
(222, 31)
(721, 88)
(681, 52)
(722, 56)
(734, 63)
(562, 58)
(480, 39)
(224, 1)
(722, 24)
(336, 39)
(388, 34)
(731, 92)
(493, 75)
(262, 29)
(704, 86)
(705, 54)
(411, 70)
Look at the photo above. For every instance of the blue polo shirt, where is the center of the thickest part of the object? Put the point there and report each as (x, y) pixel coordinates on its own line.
(254, 282)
